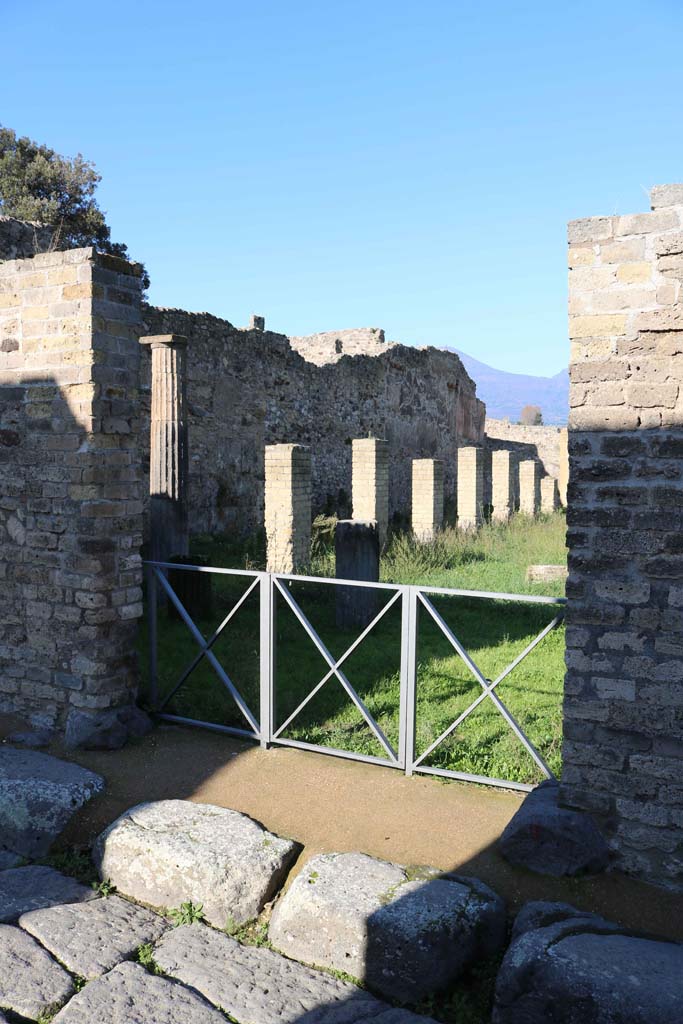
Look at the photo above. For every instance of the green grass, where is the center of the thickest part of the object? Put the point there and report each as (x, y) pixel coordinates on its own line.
(493, 632)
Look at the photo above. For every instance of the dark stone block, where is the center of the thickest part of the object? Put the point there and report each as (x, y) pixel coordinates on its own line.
(356, 547)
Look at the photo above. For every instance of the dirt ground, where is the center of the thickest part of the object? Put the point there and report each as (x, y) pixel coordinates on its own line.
(330, 804)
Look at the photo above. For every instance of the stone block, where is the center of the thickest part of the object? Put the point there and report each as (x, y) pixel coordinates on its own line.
(470, 488)
(32, 985)
(370, 482)
(33, 887)
(404, 937)
(356, 547)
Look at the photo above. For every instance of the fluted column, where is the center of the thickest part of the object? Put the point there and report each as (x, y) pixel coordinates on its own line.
(168, 457)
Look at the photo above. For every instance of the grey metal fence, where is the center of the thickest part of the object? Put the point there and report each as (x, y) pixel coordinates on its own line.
(260, 722)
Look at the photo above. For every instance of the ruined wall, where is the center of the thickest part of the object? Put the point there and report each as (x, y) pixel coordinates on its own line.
(70, 501)
(248, 388)
(21, 239)
(623, 711)
(542, 442)
(330, 346)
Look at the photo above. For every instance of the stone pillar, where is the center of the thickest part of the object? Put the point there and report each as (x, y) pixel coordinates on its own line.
(502, 486)
(288, 507)
(257, 323)
(168, 458)
(427, 503)
(548, 494)
(470, 488)
(356, 548)
(370, 483)
(529, 488)
(623, 702)
(563, 459)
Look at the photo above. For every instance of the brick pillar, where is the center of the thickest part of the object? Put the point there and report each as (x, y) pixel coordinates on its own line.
(470, 488)
(623, 705)
(168, 457)
(288, 507)
(370, 482)
(529, 487)
(563, 476)
(548, 494)
(427, 498)
(502, 486)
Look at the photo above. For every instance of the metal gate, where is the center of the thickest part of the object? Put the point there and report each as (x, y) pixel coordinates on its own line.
(259, 722)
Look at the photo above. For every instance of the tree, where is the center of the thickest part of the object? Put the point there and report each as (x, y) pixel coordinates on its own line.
(531, 416)
(37, 184)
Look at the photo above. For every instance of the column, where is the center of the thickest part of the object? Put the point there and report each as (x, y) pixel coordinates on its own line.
(529, 491)
(288, 507)
(370, 482)
(470, 488)
(427, 498)
(502, 486)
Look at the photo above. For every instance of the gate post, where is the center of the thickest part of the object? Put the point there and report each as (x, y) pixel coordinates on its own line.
(267, 638)
(406, 746)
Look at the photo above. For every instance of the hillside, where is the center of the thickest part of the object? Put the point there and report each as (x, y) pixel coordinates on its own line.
(505, 394)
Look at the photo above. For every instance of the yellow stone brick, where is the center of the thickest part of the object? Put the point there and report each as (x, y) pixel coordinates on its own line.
(63, 275)
(8, 299)
(78, 291)
(581, 256)
(597, 326)
(36, 313)
(634, 273)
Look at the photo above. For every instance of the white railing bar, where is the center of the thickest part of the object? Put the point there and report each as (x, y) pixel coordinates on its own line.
(335, 579)
(484, 780)
(521, 735)
(338, 664)
(209, 644)
(339, 674)
(232, 730)
(528, 649)
(492, 594)
(206, 568)
(211, 658)
(336, 752)
(453, 640)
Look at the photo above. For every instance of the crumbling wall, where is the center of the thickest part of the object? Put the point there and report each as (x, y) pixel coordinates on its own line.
(543, 442)
(623, 709)
(249, 387)
(21, 239)
(330, 346)
(70, 501)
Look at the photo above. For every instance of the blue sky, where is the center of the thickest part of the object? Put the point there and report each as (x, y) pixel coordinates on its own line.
(377, 163)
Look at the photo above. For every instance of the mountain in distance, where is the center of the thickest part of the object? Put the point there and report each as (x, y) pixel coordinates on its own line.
(506, 394)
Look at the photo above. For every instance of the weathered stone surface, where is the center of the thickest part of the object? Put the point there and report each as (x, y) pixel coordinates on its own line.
(404, 938)
(171, 851)
(580, 968)
(129, 995)
(106, 730)
(91, 938)
(31, 738)
(545, 573)
(258, 986)
(9, 859)
(552, 840)
(31, 983)
(34, 887)
(38, 796)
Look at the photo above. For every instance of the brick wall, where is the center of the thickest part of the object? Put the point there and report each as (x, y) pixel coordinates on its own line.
(623, 712)
(70, 501)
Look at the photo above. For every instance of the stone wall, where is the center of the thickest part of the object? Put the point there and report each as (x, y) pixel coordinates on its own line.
(330, 346)
(248, 388)
(623, 711)
(70, 501)
(21, 239)
(543, 443)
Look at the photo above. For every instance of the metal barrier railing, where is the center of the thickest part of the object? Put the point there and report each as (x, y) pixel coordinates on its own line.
(261, 726)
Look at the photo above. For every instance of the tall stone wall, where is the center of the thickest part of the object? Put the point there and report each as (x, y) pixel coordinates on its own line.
(543, 443)
(20, 239)
(330, 346)
(623, 711)
(248, 388)
(70, 501)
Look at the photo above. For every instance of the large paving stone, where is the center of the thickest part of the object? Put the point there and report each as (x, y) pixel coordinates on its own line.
(404, 937)
(258, 986)
(91, 938)
(129, 995)
(34, 887)
(569, 967)
(31, 983)
(553, 840)
(171, 851)
(38, 796)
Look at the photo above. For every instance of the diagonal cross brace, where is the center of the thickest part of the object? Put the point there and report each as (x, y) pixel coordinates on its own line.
(487, 688)
(334, 667)
(209, 655)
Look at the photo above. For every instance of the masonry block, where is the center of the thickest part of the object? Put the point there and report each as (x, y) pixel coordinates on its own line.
(470, 488)
(502, 486)
(529, 487)
(427, 498)
(549, 494)
(288, 507)
(370, 482)
(356, 548)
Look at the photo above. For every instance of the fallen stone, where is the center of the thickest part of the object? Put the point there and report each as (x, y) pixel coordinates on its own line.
(38, 796)
(404, 937)
(173, 851)
(581, 968)
(31, 738)
(31, 983)
(129, 995)
(546, 573)
(258, 986)
(106, 730)
(34, 887)
(91, 938)
(553, 840)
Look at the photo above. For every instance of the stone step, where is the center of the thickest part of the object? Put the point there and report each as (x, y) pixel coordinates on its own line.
(573, 967)
(259, 986)
(32, 985)
(34, 887)
(403, 936)
(174, 851)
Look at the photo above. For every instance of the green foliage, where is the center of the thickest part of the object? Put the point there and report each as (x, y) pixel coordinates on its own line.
(468, 1001)
(38, 184)
(75, 862)
(531, 416)
(145, 957)
(79, 982)
(187, 913)
(105, 888)
(252, 933)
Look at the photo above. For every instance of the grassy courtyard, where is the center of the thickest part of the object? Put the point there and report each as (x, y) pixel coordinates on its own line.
(494, 632)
